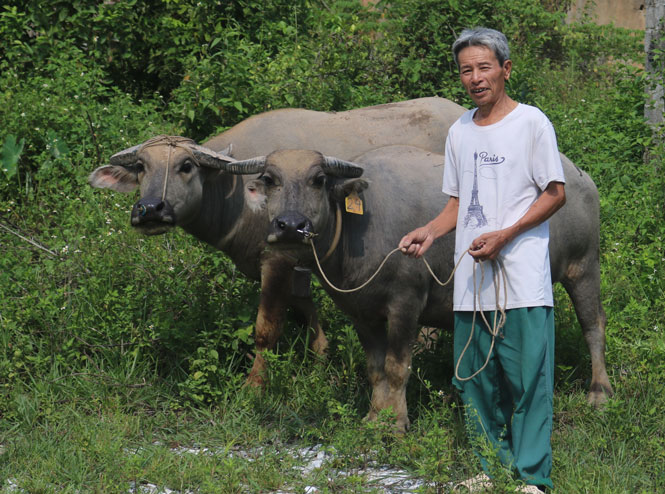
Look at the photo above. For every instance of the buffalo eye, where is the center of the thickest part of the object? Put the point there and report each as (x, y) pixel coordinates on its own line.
(267, 180)
(186, 167)
(138, 167)
(319, 180)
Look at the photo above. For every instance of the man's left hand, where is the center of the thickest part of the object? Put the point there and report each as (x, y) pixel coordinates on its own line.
(488, 245)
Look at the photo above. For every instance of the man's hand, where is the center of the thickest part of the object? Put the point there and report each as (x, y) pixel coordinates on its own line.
(416, 243)
(488, 245)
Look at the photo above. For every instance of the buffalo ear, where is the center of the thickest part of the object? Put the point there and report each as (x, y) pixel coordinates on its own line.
(345, 188)
(114, 177)
(255, 195)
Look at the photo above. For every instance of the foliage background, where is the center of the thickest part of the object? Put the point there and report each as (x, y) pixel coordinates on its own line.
(111, 341)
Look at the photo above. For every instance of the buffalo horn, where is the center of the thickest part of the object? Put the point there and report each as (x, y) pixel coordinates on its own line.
(341, 168)
(247, 167)
(209, 158)
(125, 157)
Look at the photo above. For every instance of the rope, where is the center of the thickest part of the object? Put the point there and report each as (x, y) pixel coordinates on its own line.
(166, 176)
(496, 326)
(337, 236)
(499, 276)
(171, 142)
(351, 290)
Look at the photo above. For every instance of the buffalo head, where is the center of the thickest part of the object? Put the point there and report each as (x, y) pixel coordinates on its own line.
(300, 189)
(170, 172)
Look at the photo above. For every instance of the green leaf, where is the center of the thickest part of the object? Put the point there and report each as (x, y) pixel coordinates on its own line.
(11, 152)
(57, 146)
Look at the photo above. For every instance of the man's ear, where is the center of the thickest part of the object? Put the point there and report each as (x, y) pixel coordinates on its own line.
(114, 177)
(507, 68)
(345, 188)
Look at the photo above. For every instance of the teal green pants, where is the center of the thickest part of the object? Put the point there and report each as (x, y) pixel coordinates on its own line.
(510, 402)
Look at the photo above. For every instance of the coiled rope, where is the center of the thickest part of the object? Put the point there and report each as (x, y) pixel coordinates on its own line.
(499, 278)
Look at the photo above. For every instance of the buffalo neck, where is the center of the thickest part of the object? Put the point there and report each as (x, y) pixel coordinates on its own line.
(225, 222)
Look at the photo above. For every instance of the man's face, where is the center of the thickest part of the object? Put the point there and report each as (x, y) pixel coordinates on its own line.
(482, 76)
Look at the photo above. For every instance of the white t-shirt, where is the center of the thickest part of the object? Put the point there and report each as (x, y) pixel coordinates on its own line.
(497, 172)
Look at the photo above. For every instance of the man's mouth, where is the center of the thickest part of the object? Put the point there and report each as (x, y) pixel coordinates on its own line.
(479, 90)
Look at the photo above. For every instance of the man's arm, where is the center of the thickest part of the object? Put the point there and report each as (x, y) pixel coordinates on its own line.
(488, 245)
(416, 243)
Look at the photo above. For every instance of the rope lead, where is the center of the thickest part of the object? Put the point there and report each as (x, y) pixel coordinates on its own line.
(499, 277)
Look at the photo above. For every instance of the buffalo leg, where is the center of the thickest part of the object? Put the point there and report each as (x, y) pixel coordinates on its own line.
(306, 309)
(275, 276)
(402, 332)
(375, 343)
(389, 365)
(584, 291)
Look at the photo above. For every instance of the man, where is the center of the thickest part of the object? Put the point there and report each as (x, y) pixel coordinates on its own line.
(505, 179)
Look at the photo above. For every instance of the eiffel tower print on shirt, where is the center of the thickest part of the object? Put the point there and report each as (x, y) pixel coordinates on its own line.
(475, 210)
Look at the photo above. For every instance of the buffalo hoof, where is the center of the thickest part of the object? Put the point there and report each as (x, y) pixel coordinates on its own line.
(598, 398)
(599, 394)
(255, 381)
(320, 346)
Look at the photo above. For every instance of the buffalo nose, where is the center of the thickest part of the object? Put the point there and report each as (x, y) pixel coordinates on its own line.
(290, 226)
(149, 209)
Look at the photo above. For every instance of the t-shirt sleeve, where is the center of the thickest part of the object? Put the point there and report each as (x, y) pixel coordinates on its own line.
(450, 177)
(546, 160)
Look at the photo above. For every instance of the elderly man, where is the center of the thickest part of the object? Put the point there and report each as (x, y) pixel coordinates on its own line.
(505, 179)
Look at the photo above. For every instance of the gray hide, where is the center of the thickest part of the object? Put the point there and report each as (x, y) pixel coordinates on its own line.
(401, 190)
(209, 203)
(422, 122)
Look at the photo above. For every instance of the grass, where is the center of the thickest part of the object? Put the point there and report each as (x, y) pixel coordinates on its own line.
(78, 434)
(101, 396)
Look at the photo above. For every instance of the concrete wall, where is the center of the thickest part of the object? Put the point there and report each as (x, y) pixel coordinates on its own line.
(623, 13)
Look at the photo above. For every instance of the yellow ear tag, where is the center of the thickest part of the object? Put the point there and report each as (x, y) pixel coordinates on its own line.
(354, 204)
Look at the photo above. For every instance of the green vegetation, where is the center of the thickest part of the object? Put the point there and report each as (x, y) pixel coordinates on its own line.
(118, 352)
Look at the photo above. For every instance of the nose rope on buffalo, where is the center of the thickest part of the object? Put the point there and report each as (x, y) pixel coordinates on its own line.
(499, 278)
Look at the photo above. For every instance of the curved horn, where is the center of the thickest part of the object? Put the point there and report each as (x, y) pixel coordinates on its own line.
(209, 158)
(341, 168)
(247, 167)
(126, 156)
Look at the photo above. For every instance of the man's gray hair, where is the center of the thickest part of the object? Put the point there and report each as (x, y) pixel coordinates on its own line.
(482, 36)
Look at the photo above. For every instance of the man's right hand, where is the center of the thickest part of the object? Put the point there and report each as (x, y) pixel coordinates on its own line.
(416, 243)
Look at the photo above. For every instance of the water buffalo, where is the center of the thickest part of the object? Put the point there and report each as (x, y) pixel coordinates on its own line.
(400, 189)
(197, 188)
